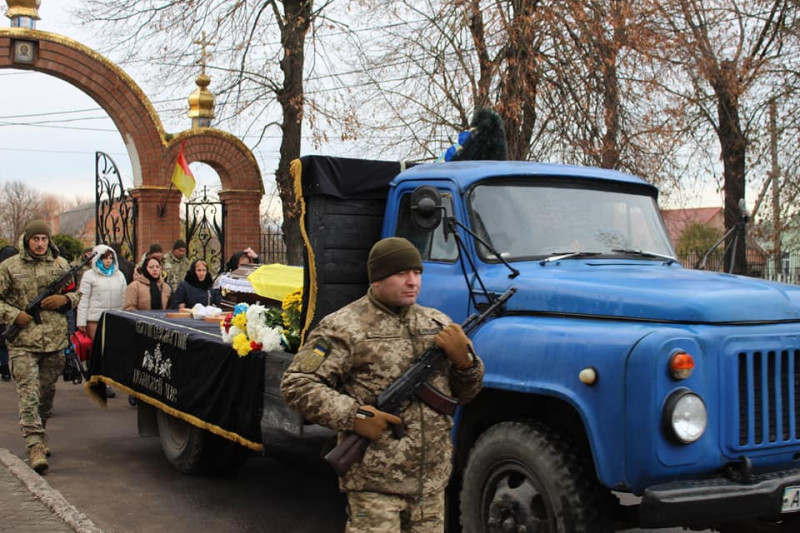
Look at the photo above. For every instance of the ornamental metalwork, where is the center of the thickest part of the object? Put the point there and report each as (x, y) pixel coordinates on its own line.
(205, 231)
(115, 208)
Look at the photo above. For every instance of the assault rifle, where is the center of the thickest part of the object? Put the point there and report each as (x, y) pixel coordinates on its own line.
(413, 382)
(34, 308)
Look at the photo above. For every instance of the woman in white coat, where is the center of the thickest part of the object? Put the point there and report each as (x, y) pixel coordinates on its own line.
(102, 289)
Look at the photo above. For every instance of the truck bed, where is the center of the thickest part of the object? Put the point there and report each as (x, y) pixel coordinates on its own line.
(182, 367)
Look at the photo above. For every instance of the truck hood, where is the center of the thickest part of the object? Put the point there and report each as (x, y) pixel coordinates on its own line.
(645, 290)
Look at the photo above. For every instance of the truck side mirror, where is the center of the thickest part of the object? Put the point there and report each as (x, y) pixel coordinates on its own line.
(426, 207)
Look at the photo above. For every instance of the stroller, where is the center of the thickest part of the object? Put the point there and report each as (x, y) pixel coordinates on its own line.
(77, 356)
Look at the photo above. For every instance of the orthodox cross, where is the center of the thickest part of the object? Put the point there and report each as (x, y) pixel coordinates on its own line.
(203, 54)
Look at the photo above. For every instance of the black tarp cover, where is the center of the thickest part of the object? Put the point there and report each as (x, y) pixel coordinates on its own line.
(348, 179)
(182, 367)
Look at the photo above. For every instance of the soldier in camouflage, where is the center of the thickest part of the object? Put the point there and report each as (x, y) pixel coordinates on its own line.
(37, 353)
(351, 357)
(176, 264)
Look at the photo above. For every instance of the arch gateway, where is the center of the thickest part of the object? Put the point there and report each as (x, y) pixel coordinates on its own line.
(152, 154)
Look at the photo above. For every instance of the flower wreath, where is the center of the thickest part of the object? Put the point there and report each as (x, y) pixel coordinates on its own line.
(255, 327)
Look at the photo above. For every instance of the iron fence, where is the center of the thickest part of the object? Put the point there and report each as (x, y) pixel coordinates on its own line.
(273, 249)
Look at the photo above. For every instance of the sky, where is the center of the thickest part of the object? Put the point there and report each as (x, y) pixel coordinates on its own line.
(50, 130)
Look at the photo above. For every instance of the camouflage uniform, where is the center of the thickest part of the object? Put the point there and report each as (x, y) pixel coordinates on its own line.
(37, 353)
(175, 269)
(351, 357)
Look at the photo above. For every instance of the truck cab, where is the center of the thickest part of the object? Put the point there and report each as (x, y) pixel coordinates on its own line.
(613, 369)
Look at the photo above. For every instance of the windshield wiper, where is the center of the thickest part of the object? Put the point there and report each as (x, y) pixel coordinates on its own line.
(668, 260)
(557, 256)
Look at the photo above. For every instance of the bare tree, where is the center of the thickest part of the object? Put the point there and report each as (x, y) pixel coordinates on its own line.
(258, 65)
(726, 55)
(21, 204)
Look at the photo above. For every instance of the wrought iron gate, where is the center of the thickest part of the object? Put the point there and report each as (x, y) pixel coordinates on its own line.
(205, 231)
(115, 209)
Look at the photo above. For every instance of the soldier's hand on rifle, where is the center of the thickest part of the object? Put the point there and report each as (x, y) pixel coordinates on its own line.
(55, 301)
(22, 320)
(456, 345)
(371, 422)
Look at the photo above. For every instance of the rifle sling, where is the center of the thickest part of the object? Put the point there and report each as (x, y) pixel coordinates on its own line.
(436, 399)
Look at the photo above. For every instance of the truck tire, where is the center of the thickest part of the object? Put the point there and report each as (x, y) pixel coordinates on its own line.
(192, 450)
(784, 525)
(182, 443)
(526, 477)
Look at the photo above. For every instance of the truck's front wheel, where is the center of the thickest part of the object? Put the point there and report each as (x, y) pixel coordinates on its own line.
(526, 477)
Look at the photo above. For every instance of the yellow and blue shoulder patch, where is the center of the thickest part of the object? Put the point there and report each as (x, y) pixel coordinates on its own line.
(312, 359)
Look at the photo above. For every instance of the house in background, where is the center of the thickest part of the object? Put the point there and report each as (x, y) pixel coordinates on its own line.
(679, 220)
(79, 223)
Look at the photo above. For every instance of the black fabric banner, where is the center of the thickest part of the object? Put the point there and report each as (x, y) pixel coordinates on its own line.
(348, 179)
(182, 367)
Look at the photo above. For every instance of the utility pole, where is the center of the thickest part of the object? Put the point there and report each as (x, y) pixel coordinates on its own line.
(776, 190)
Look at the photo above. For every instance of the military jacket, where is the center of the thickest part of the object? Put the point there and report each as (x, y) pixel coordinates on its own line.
(351, 357)
(22, 278)
(175, 269)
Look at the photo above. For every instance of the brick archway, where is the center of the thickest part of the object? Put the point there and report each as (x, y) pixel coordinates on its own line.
(152, 156)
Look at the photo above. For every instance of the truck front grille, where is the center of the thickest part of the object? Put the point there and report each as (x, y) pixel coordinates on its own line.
(769, 397)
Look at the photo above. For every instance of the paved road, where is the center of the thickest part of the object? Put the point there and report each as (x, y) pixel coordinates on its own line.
(123, 483)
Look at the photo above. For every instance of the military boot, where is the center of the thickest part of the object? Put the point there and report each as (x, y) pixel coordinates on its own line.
(38, 457)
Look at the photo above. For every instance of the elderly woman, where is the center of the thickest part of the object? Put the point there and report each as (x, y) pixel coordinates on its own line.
(148, 290)
(196, 288)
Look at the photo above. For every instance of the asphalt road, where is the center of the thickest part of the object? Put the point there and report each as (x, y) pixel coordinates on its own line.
(123, 483)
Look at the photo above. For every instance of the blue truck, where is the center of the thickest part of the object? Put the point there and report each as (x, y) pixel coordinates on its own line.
(612, 371)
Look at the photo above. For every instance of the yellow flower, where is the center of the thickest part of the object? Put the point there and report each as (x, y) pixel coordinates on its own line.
(240, 321)
(241, 344)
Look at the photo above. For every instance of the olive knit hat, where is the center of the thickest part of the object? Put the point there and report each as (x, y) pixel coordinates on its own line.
(36, 227)
(391, 255)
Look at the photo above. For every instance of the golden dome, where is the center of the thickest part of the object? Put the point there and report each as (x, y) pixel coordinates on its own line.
(23, 8)
(201, 102)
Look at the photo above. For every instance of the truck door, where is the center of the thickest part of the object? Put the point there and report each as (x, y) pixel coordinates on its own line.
(443, 284)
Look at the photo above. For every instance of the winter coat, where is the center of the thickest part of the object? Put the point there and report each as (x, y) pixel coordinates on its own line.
(189, 295)
(351, 357)
(22, 278)
(137, 295)
(100, 292)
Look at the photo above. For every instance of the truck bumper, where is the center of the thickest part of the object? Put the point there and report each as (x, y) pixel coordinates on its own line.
(712, 501)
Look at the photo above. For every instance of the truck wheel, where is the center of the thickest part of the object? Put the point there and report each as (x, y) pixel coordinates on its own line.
(192, 450)
(182, 443)
(525, 477)
(784, 525)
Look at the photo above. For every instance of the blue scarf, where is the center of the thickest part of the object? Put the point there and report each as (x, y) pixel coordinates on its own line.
(103, 270)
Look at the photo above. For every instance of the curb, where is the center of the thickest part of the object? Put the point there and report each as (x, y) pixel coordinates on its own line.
(42, 491)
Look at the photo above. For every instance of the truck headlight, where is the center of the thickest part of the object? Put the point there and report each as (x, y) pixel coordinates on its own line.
(685, 416)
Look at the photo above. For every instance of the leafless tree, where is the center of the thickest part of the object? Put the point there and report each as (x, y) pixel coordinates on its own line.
(727, 58)
(21, 204)
(258, 66)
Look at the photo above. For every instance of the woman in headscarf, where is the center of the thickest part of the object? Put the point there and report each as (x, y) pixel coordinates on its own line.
(148, 290)
(102, 289)
(196, 288)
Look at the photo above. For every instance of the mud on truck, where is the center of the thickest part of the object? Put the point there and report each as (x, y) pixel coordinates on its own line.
(613, 369)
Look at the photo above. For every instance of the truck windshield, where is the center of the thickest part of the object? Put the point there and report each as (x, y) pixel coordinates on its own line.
(531, 221)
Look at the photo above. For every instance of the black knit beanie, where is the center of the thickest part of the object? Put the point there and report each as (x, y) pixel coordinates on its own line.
(391, 255)
(36, 227)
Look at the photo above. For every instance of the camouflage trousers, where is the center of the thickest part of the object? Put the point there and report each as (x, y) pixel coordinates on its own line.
(36, 374)
(372, 512)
